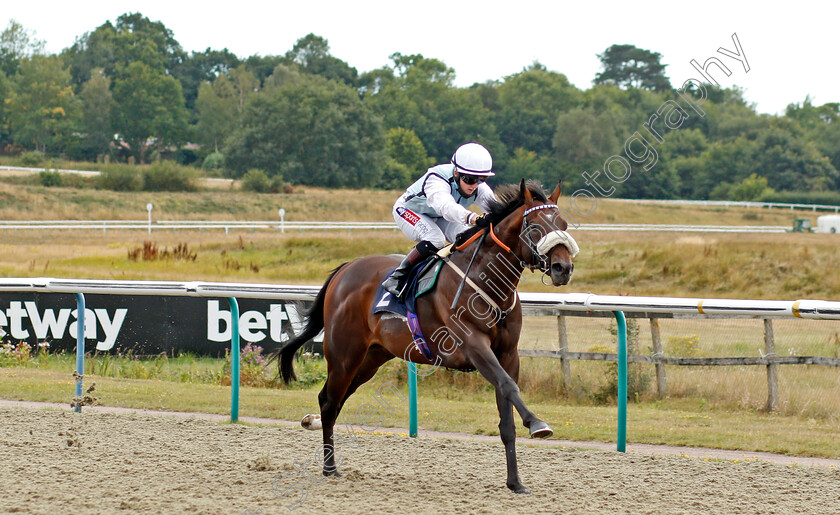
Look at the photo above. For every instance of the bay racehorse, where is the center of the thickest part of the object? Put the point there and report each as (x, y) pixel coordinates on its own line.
(480, 333)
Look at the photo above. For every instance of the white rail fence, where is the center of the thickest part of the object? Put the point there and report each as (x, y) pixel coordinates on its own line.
(282, 226)
(734, 203)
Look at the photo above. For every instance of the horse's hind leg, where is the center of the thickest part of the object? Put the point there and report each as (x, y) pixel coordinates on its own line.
(376, 356)
(330, 400)
(343, 378)
(339, 385)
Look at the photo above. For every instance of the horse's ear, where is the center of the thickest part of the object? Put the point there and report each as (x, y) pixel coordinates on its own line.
(525, 194)
(556, 194)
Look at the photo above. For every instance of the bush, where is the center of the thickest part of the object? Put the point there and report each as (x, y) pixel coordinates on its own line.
(826, 198)
(258, 181)
(214, 161)
(638, 378)
(311, 369)
(50, 178)
(751, 189)
(395, 175)
(278, 185)
(168, 176)
(186, 156)
(33, 158)
(721, 191)
(19, 354)
(120, 178)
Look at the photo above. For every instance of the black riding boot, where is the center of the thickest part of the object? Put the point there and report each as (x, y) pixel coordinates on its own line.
(394, 283)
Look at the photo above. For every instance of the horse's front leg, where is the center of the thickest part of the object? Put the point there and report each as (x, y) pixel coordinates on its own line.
(507, 396)
(507, 430)
(483, 359)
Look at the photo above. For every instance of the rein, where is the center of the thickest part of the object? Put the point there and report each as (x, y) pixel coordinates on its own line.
(481, 234)
(538, 251)
(464, 275)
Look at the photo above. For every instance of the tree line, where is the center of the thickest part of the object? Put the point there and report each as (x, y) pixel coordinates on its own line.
(128, 90)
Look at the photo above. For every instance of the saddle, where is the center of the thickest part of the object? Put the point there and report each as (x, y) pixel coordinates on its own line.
(421, 279)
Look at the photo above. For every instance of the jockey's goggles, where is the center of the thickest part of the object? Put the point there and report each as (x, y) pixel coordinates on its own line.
(471, 179)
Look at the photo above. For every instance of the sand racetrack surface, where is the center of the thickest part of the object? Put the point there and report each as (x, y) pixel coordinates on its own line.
(56, 461)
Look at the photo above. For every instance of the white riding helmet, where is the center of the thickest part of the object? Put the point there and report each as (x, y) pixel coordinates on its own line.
(473, 159)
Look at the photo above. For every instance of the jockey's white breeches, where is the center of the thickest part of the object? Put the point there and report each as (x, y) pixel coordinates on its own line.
(422, 227)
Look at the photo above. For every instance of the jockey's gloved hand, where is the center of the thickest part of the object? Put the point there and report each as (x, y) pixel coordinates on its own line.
(481, 220)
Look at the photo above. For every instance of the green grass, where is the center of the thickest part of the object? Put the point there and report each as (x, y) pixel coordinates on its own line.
(185, 369)
(672, 422)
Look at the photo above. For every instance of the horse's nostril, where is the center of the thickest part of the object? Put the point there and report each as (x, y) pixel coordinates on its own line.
(559, 268)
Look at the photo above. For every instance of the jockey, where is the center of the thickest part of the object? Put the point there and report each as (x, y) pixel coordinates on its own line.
(433, 210)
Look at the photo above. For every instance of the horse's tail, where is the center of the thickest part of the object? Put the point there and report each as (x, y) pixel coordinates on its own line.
(314, 325)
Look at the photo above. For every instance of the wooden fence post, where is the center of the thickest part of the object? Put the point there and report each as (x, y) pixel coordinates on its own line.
(563, 344)
(661, 384)
(772, 372)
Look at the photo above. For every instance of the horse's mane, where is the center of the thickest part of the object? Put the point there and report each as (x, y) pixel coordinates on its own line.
(506, 202)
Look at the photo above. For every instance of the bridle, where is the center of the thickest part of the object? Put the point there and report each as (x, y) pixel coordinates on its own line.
(539, 248)
(548, 239)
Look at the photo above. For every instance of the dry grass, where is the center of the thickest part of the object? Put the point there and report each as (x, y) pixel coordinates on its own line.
(762, 266)
(225, 201)
(221, 202)
(766, 266)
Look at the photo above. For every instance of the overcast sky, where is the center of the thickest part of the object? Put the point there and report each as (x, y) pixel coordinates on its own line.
(786, 45)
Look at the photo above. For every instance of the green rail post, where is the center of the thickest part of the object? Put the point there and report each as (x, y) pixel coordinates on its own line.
(621, 437)
(234, 359)
(412, 399)
(80, 349)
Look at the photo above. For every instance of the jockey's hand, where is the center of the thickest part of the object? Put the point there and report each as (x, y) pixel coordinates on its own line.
(481, 220)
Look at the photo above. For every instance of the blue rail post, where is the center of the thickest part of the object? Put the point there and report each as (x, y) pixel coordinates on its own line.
(621, 437)
(80, 349)
(412, 399)
(234, 359)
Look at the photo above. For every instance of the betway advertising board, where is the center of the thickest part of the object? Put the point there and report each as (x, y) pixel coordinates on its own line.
(146, 324)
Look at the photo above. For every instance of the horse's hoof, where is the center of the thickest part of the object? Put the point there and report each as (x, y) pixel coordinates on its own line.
(540, 429)
(519, 489)
(333, 473)
(311, 422)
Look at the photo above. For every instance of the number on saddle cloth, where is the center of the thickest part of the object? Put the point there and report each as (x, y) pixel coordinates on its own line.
(421, 279)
